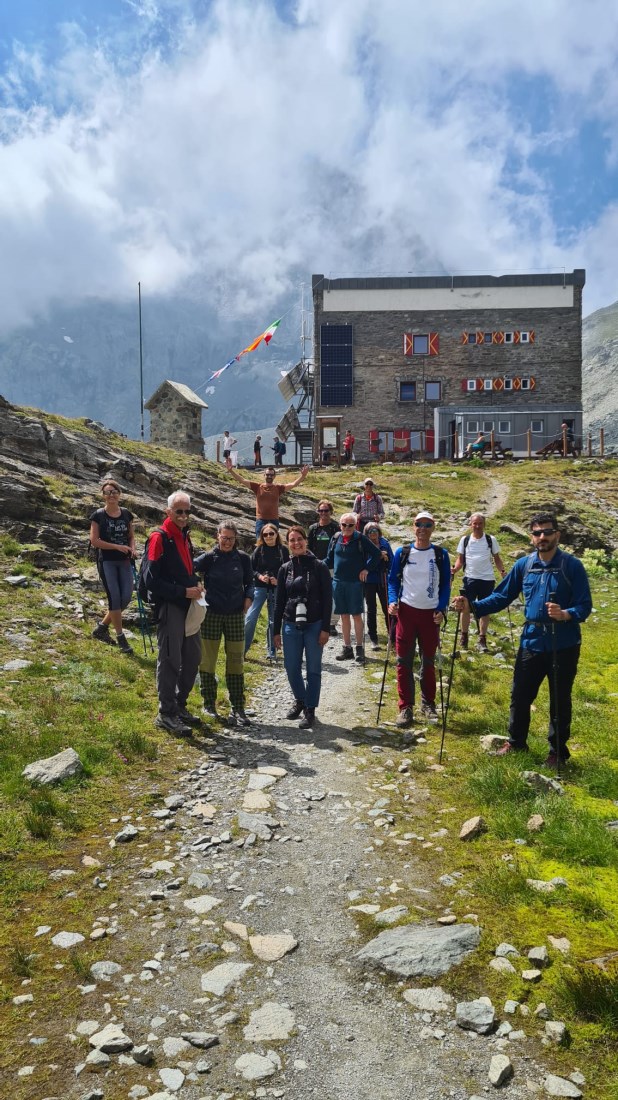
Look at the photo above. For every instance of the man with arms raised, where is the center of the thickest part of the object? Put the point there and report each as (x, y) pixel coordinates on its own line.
(267, 494)
(557, 599)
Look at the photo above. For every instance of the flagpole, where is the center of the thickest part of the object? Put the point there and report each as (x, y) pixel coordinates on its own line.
(141, 363)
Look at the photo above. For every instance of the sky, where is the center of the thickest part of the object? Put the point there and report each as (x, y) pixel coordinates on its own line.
(229, 149)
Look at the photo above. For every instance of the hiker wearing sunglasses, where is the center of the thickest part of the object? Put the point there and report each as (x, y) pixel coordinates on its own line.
(351, 556)
(170, 577)
(419, 587)
(557, 599)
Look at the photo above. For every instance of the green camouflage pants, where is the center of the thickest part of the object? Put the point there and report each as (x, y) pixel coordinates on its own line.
(232, 629)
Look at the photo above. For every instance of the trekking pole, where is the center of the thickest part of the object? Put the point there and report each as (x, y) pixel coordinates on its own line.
(448, 690)
(554, 670)
(510, 628)
(440, 662)
(391, 629)
(143, 618)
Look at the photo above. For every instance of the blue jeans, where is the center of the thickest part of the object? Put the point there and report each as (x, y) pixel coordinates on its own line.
(295, 643)
(259, 523)
(259, 599)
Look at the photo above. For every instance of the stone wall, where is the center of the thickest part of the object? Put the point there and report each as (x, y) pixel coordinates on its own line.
(175, 423)
(553, 360)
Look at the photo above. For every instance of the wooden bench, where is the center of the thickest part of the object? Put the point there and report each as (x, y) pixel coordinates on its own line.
(556, 447)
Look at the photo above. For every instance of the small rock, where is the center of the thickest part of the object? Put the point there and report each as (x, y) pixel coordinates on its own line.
(256, 800)
(270, 769)
(173, 1079)
(556, 1032)
(111, 1040)
(510, 1007)
(54, 769)
(271, 948)
(531, 975)
(104, 971)
(478, 1015)
(223, 977)
(542, 1011)
(202, 904)
(502, 965)
(432, 999)
(201, 1039)
(539, 956)
(97, 1060)
(269, 1023)
(472, 828)
(235, 929)
(449, 919)
(260, 781)
(500, 1070)
(254, 1067)
(504, 949)
(543, 783)
(560, 1086)
(128, 833)
(143, 1055)
(67, 939)
(560, 943)
(535, 823)
(23, 999)
(392, 915)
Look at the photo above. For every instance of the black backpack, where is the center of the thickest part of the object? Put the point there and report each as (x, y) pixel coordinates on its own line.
(143, 592)
(282, 448)
(467, 540)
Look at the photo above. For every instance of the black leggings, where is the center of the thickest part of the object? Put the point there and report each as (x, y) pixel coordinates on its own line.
(371, 591)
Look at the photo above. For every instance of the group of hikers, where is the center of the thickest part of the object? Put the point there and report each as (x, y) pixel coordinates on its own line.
(331, 575)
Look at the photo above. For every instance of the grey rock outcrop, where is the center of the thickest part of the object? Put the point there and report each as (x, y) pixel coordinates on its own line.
(419, 950)
(53, 769)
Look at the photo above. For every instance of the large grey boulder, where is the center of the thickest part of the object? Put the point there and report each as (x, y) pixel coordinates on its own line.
(54, 769)
(416, 950)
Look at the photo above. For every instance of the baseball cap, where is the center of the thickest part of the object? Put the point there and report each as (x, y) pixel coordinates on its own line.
(424, 515)
(368, 481)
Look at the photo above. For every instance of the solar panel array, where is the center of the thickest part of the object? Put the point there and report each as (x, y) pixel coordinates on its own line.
(336, 365)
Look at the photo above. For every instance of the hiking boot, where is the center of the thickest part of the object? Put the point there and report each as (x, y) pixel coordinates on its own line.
(553, 762)
(123, 644)
(188, 718)
(296, 710)
(102, 634)
(507, 748)
(347, 654)
(482, 643)
(210, 711)
(171, 723)
(374, 643)
(463, 642)
(429, 709)
(405, 718)
(239, 717)
(360, 655)
(307, 719)
(333, 632)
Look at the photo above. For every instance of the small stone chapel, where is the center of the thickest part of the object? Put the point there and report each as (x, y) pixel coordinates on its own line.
(176, 418)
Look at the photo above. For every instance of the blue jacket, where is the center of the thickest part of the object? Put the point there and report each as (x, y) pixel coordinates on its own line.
(348, 559)
(376, 576)
(395, 581)
(565, 576)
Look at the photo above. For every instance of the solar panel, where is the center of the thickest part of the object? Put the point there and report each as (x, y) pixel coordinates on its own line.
(336, 365)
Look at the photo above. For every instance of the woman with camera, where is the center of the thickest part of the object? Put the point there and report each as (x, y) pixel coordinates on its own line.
(302, 607)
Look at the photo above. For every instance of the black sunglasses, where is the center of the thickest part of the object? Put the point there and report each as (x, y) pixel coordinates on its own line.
(324, 510)
(269, 534)
(348, 525)
(427, 525)
(182, 511)
(544, 531)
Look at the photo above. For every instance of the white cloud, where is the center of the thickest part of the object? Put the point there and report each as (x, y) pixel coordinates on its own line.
(244, 149)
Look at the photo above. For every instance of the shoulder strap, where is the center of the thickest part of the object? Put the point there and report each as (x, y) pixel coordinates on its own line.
(563, 569)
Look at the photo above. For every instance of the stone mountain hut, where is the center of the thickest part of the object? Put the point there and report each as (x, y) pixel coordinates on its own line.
(176, 418)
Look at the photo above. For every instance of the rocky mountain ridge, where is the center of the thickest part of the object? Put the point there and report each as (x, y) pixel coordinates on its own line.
(37, 504)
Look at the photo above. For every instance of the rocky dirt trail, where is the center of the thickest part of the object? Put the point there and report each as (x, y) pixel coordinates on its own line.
(228, 968)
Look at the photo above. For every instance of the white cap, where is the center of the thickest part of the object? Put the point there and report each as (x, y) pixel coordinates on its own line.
(424, 515)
